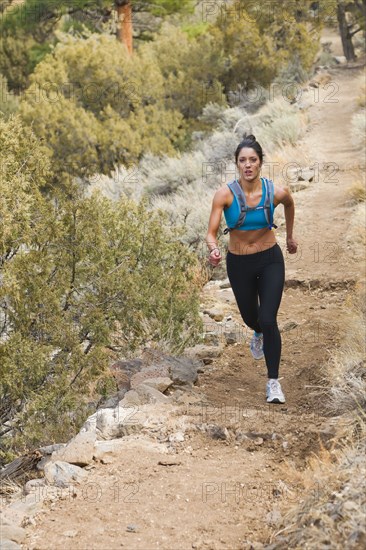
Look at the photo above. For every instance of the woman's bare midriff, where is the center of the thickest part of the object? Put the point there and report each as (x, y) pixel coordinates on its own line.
(251, 242)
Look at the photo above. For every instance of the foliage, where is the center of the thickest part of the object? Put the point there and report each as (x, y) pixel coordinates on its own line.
(258, 41)
(249, 56)
(191, 68)
(90, 103)
(8, 101)
(80, 276)
(29, 28)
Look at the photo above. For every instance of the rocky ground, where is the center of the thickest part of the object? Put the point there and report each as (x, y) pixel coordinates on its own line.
(189, 455)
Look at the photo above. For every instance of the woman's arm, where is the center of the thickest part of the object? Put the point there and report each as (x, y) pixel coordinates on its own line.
(218, 204)
(283, 196)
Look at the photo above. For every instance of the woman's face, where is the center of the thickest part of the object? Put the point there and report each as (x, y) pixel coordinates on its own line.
(249, 164)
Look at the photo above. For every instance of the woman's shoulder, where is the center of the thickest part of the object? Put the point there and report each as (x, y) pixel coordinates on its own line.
(282, 193)
(222, 194)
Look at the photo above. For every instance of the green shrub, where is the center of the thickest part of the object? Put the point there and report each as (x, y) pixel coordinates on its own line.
(80, 276)
(8, 101)
(91, 105)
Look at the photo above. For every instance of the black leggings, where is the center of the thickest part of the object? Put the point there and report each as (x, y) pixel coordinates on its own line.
(257, 281)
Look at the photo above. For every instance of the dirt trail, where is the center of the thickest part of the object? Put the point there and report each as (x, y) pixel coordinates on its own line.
(231, 492)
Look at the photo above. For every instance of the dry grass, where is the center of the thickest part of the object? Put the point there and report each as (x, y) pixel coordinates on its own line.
(358, 128)
(333, 516)
(361, 99)
(357, 191)
(278, 124)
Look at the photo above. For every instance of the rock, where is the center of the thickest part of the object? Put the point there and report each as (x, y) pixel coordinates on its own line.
(12, 532)
(217, 432)
(113, 423)
(63, 474)
(258, 441)
(70, 534)
(161, 384)
(28, 505)
(129, 367)
(156, 371)
(7, 544)
(274, 517)
(49, 449)
(211, 338)
(78, 451)
(340, 59)
(148, 394)
(225, 284)
(306, 174)
(350, 506)
(241, 436)
(289, 325)
(47, 452)
(33, 484)
(132, 528)
(184, 371)
(232, 337)
(215, 313)
(115, 447)
(112, 401)
(111, 448)
(177, 437)
(130, 399)
(205, 353)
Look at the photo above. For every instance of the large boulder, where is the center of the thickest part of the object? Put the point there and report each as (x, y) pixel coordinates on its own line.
(113, 423)
(78, 451)
(63, 474)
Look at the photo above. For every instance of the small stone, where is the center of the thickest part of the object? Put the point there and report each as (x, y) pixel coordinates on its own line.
(289, 325)
(340, 59)
(33, 484)
(132, 528)
(258, 441)
(215, 314)
(218, 432)
(350, 506)
(177, 437)
(71, 534)
(225, 284)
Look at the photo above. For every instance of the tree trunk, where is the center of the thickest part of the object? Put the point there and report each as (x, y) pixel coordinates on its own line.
(345, 33)
(124, 28)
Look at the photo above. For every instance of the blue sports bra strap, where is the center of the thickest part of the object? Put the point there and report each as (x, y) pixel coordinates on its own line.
(268, 203)
(238, 192)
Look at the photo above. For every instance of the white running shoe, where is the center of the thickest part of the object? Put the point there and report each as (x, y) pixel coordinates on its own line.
(256, 346)
(274, 392)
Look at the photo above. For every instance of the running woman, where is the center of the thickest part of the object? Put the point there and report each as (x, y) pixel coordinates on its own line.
(254, 261)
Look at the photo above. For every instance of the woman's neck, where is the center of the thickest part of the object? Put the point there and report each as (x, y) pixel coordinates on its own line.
(250, 186)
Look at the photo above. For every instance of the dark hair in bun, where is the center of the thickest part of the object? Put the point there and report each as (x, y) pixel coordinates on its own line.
(249, 141)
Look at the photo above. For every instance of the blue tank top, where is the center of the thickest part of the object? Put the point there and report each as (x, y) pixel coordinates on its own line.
(254, 219)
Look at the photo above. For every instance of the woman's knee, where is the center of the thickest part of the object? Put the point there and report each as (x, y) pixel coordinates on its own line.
(268, 323)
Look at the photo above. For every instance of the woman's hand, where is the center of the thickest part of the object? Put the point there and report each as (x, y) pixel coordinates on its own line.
(215, 257)
(291, 245)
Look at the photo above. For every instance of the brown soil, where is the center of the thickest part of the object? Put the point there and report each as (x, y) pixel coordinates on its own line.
(231, 492)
